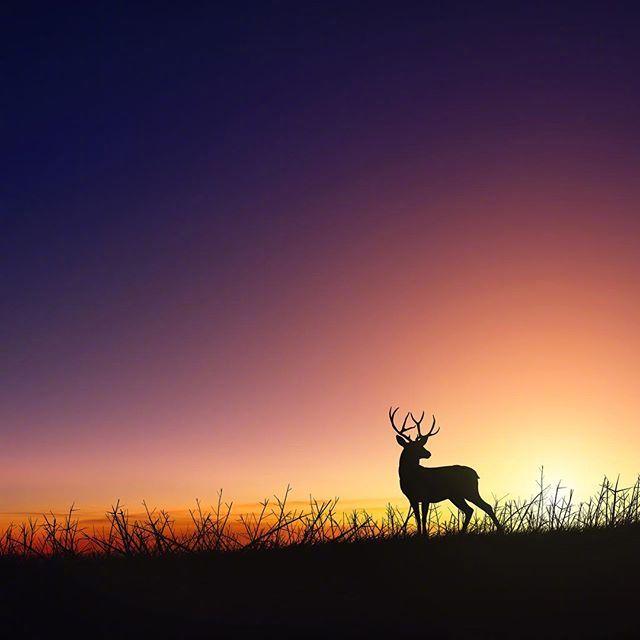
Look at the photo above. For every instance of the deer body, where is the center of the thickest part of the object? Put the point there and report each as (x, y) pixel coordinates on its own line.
(435, 484)
(424, 485)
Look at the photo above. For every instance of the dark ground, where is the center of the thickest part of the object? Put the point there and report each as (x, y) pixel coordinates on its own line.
(544, 585)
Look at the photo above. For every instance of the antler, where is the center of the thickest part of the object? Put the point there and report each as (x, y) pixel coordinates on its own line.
(402, 431)
(431, 430)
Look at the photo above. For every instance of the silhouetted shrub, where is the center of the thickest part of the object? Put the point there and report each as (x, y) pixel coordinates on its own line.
(276, 525)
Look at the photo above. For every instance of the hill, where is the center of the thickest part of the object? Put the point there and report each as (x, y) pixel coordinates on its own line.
(552, 584)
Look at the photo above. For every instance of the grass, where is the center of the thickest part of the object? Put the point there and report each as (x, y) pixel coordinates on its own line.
(276, 525)
(562, 569)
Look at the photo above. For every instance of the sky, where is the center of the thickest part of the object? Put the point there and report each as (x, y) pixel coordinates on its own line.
(231, 238)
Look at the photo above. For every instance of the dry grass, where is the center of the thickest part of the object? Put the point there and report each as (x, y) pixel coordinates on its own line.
(276, 525)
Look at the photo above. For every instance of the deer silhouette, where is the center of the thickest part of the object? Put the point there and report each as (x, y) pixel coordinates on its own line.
(424, 485)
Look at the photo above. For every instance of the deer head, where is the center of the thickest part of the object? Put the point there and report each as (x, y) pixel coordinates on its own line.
(414, 448)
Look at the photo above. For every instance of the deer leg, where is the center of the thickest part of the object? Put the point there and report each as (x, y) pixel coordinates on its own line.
(425, 515)
(415, 505)
(466, 509)
(487, 508)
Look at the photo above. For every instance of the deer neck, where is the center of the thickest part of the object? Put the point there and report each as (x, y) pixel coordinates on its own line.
(408, 466)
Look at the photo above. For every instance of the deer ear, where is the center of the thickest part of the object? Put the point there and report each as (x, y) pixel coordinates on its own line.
(401, 441)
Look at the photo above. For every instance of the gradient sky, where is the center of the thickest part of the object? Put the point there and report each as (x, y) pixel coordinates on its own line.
(231, 238)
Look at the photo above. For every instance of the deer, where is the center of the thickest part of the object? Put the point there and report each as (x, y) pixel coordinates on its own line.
(424, 485)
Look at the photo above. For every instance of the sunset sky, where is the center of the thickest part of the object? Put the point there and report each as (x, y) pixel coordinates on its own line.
(231, 238)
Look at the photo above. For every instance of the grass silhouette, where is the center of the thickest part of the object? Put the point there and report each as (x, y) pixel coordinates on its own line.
(276, 525)
(561, 569)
